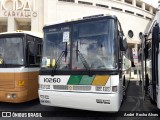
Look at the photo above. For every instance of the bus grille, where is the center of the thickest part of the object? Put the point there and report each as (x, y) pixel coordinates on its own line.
(84, 88)
(60, 87)
(72, 87)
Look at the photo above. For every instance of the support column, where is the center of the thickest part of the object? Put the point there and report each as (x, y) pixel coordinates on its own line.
(34, 24)
(143, 6)
(76, 1)
(15, 25)
(11, 24)
(122, 1)
(134, 2)
(151, 10)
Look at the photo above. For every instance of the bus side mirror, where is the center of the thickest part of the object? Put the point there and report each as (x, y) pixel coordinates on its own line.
(146, 51)
(123, 44)
(156, 34)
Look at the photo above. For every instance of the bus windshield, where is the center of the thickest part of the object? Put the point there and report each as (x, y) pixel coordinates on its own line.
(88, 45)
(11, 51)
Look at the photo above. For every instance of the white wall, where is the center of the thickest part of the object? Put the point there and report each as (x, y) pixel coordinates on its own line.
(60, 11)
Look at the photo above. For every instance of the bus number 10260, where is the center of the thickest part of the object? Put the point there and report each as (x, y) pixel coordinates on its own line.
(52, 80)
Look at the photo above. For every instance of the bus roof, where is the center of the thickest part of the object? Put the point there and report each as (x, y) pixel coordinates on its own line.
(37, 34)
(101, 16)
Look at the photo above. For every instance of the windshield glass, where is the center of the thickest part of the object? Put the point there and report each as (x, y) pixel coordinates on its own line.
(91, 45)
(96, 43)
(11, 51)
(57, 47)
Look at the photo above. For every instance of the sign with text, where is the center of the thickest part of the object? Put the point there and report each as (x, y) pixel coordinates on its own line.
(18, 8)
(12, 5)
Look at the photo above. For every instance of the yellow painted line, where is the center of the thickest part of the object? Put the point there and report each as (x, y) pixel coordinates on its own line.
(100, 80)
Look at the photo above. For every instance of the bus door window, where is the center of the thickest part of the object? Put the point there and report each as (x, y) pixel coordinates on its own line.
(30, 50)
(34, 53)
(37, 50)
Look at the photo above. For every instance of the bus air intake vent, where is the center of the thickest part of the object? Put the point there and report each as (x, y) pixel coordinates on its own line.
(83, 88)
(72, 87)
(60, 87)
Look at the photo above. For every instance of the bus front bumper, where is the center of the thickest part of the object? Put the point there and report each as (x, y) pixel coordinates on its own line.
(78, 100)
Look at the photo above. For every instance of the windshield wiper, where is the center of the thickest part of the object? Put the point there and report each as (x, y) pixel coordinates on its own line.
(82, 58)
(58, 61)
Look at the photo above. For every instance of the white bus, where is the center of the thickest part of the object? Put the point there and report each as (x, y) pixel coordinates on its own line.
(84, 64)
(20, 56)
(151, 60)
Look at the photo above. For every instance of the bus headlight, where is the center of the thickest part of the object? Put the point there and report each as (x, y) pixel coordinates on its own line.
(98, 88)
(41, 86)
(8, 96)
(11, 96)
(114, 88)
(14, 96)
(107, 89)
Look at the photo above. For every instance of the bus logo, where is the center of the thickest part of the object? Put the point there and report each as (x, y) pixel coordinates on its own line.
(6, 114)
(70, 87)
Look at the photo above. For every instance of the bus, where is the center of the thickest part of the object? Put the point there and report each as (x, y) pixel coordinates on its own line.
(150, 58)
(85, 64)
(20, 56)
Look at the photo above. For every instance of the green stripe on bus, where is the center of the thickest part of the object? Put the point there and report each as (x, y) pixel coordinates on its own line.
(86, 80)
(74, 79)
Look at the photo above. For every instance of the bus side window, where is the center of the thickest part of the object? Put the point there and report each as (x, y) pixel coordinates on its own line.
(34, 51)
(39, 51)
(30, 50)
